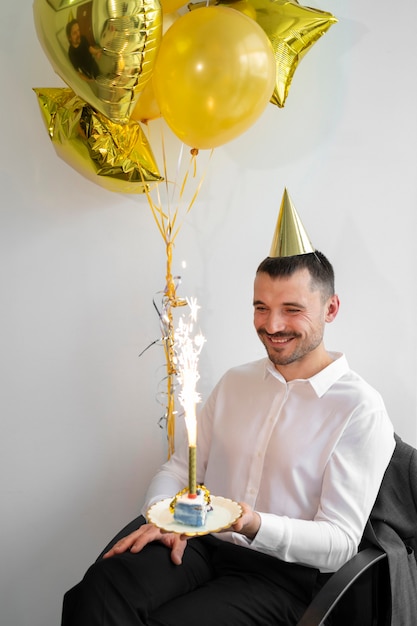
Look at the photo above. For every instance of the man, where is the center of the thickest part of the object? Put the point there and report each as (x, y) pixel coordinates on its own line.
(300, 440)
(82, 56)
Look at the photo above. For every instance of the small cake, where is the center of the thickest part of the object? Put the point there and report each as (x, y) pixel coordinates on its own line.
(191, 509)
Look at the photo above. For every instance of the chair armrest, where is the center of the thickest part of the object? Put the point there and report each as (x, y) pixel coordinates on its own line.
(331, 592)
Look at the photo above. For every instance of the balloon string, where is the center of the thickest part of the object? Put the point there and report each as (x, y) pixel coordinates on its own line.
(169, 347)
(169, 224)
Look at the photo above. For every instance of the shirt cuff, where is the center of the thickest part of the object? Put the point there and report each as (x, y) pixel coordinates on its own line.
(272, 536)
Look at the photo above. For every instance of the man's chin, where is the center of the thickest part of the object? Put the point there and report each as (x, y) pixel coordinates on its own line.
(280, 358)
(282, 361)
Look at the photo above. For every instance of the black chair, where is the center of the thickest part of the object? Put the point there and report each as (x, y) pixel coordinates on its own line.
(356, 595)
(378, 586)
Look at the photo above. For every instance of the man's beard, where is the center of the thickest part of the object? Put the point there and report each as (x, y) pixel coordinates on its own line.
(281, 356)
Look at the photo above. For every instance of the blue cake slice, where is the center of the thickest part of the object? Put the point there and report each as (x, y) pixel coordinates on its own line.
(191, 510)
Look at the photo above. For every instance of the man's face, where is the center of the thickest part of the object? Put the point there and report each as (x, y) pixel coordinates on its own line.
(289, 318)
(75, 36)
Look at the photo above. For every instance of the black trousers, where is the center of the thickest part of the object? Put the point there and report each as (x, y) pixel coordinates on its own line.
(217, 583)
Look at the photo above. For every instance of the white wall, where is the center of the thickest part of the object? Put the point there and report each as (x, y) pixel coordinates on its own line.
(80, 266)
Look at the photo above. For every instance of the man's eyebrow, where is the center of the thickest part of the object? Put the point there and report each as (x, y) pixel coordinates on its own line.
(297, 305)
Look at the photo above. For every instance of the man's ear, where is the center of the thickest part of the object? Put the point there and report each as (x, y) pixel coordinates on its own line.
(332, 307)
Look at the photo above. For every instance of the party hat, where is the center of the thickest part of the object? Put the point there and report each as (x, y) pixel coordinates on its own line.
(290, 237)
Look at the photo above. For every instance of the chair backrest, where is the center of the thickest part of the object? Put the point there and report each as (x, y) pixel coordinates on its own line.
(370, 589)
(392, 527)
(357, 594)
(396, 503)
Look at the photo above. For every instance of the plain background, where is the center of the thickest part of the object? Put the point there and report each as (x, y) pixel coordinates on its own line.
(80, 266)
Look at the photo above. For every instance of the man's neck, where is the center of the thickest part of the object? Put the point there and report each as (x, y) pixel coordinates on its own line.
(306, 367)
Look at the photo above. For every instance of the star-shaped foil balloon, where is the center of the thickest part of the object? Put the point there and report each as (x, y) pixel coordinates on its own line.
(291, 28)
(117, 157)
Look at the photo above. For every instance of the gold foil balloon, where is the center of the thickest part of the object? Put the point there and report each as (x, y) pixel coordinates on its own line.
(292, 30)
(147, 108)
(115, 156)
(214, 75)
(103, 49)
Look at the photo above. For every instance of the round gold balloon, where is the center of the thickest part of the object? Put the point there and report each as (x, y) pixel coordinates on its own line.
(146, 108)
(117, 157)
(168, 6)
(214, 75)
(244, 6)
(103, 49)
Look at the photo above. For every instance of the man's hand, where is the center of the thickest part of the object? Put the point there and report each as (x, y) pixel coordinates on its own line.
(248, 523)
(147, 533)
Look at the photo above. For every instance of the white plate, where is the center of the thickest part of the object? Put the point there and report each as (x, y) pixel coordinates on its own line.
(225, 512)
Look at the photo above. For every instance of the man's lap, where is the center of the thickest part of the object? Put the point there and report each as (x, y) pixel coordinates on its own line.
(217, 582)
(238, 595)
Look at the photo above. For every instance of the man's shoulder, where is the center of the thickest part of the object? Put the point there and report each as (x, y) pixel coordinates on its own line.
(351, 377)
(360, 392)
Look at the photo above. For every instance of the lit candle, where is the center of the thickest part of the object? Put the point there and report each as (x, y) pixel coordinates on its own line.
(187, 350)
(192, 471)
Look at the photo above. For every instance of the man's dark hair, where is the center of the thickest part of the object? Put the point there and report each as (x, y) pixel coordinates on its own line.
(69, 26)
(319, 267)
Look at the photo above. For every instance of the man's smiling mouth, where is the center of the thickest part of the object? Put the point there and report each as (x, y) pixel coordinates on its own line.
(279, 340)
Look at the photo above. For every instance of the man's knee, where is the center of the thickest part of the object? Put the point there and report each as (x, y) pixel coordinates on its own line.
(107, 574)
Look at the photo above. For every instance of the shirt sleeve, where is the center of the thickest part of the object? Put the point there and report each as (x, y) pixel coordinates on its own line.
(350, 486)
(172, 477)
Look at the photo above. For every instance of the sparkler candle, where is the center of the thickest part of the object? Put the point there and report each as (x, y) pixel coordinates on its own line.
(187, 350)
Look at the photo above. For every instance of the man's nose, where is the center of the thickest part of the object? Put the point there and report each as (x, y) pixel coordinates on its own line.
(275, 322)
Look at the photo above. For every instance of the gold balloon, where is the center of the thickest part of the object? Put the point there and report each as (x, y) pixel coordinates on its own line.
(146, 108)
(292, 30)
(104, 50)
(214, 75)
(244, 6)
(115, 156)
(168, 6)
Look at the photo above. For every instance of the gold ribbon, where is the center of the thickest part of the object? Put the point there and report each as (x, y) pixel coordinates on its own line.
(169, 222)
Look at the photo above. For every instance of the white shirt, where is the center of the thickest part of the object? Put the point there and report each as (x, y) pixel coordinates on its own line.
(308, 455)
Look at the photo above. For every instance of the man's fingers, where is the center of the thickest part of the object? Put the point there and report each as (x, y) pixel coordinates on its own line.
(178, 550)
(121, 546)
(135, 541)
(177, 543)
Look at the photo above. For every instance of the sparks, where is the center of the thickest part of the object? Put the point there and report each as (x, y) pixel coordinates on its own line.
(188, 347)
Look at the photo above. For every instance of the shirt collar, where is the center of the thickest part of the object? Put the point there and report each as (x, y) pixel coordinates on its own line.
(323, 380)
